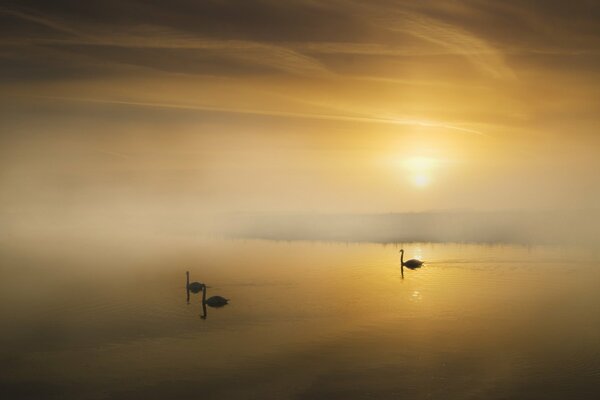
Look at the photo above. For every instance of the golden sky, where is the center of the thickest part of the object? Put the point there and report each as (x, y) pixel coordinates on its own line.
(299, 106)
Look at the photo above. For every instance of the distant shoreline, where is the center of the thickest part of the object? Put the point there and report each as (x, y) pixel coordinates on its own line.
(512, 227)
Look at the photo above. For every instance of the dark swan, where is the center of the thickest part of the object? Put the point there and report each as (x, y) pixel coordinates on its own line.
(194, 287)
(213, 301)
(411, 264)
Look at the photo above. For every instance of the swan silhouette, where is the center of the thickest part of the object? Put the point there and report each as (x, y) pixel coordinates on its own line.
(194, 287)
(213, 301)
(411, 264)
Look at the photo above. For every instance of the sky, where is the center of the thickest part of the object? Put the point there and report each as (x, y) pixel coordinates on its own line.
(190, 107)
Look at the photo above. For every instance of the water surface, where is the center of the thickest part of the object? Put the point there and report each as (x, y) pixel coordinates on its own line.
(307, 320)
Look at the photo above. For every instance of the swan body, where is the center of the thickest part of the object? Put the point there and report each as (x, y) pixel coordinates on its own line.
(213, 301)
(216, 301)
(194, 287)
(411, 264)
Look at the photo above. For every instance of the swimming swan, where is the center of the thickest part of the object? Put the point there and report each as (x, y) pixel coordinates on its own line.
(213, 301)
(412, 263)
(194, 287)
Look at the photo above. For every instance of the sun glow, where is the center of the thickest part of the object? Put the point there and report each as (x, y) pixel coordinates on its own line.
(420, 164)
(420, 180)
(420, 170)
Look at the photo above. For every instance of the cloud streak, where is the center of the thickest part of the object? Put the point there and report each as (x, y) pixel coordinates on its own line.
(154, 37)
(39, 20)
(281, 114)
(411, 32)
(458, 41)
(448, 38)
(288, 56)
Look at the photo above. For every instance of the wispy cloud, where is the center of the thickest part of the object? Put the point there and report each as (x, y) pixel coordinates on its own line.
(456, 40)
(431, 36)
(371, 119)
(39, 20)
(155, 37)
(446, 37)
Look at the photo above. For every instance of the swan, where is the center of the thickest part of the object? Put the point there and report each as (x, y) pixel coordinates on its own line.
(213, 301)
(412, 263)
(194, 287)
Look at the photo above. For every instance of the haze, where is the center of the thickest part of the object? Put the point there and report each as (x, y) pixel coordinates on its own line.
(191, 109)
(299, 199)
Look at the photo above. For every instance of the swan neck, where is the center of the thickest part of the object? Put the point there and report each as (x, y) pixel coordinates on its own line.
(401, 257)
(187, 278)
(203, 294)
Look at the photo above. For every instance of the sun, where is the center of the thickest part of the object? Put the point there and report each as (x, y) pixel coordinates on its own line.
(420, 181)
(420, 170)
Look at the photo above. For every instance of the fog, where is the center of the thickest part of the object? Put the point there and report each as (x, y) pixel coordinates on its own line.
(95, 171)
(281, 153)
(376, 122)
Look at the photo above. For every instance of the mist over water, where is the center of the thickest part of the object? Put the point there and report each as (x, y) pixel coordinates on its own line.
(284, 153)
(102, 170)
(102, 215)
(549, 227)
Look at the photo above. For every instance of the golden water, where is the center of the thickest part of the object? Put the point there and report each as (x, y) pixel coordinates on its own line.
(307, 320)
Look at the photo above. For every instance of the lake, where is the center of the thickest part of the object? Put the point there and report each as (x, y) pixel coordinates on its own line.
(108, 319)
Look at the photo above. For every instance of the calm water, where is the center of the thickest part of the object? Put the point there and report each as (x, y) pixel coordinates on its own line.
(108, 320)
